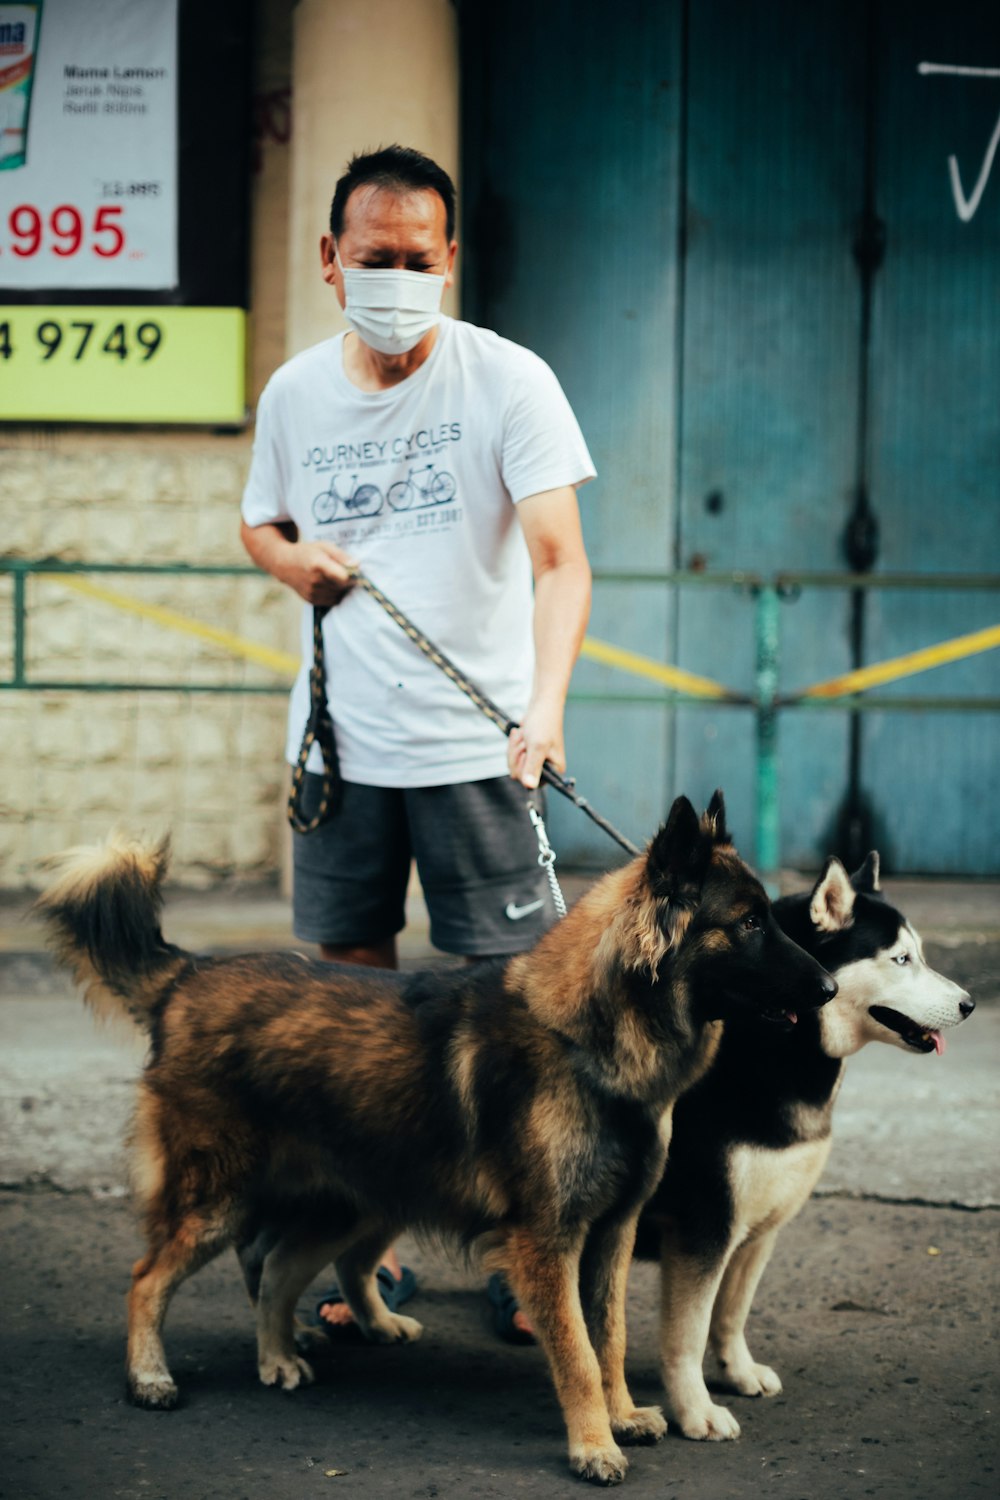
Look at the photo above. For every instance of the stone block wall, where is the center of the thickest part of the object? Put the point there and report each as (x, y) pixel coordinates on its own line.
(207, 767)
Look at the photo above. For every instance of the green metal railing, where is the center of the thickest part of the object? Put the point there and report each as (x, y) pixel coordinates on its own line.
(766, 700)
(21, 571)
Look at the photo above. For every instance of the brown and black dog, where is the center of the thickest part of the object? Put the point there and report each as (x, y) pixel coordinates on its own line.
(306, 1112)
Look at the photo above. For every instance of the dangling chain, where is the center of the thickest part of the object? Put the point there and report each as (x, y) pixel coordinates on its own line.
(547, 858)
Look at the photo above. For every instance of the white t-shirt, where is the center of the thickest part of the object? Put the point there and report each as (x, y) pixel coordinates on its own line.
(419, 483)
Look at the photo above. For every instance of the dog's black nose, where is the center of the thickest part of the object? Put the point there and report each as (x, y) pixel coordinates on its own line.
(828, 987)
(967, 1006)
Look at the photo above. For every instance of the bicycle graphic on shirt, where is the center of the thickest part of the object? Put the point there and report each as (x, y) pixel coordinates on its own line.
(420, 488)
(363, 500)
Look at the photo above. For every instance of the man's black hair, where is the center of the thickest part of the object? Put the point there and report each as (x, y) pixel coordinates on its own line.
(398, 169)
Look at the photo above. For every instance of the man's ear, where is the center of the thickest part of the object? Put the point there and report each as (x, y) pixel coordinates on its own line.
(831, 905)
(449, 274)
(328, 263)
(865, 880)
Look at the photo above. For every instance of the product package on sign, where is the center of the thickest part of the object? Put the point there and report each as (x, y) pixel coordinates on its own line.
(18, 43)
(88, 145)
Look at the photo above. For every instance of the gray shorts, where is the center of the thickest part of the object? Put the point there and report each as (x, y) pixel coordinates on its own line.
(476, 853)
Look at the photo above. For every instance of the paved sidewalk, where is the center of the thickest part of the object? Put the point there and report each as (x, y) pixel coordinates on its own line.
(237, 916)
(878, 1309)
(914, 1128)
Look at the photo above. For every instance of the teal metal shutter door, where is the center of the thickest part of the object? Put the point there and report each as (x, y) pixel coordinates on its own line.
(931, 778)
(571, 135)
(769, 379)
(732, 230)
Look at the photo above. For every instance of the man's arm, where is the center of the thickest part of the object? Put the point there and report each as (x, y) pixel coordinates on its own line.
(315, 570)
(551, 525)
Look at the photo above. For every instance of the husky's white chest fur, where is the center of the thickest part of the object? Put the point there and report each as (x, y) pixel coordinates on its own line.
(769, 1187)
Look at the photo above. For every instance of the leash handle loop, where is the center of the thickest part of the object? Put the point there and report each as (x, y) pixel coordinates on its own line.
(319, 731)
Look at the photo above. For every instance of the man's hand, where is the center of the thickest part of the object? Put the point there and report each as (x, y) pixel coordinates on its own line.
(538, 738)
(317, 571)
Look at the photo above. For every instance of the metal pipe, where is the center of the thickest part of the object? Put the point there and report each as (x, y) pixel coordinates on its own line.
(20, 616)
(767, 638)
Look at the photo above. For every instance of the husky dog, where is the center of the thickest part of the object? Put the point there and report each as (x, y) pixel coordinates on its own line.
(751, 1138)
(522, 1107)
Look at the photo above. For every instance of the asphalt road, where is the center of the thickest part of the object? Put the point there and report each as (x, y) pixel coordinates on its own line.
(878, 1309)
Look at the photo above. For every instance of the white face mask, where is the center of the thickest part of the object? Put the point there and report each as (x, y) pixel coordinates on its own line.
(391, 311)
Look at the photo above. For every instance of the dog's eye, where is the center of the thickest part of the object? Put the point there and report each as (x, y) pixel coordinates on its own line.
(751, 923)
(901, 958)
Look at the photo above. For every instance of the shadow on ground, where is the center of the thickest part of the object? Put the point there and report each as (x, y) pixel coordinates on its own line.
(884, 1348)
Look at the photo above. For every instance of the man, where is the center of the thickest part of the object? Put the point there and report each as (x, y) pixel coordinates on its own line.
(445, 460)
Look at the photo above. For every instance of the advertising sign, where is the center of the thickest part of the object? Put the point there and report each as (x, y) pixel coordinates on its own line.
(124, 177)
(88, 145)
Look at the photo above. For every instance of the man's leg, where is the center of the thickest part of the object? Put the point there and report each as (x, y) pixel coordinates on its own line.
(350, 878)
(350, 875)
(375, 956)
(477, 854)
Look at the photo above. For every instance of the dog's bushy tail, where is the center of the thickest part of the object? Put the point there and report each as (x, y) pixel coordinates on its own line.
(103, 913)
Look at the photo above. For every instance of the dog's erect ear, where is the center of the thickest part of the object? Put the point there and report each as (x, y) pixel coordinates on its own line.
(678, 856)
(713, 819)
(676, 863)
(865, 880)
(831, 905)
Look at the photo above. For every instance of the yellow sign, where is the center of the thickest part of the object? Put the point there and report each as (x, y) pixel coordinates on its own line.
(123, 364)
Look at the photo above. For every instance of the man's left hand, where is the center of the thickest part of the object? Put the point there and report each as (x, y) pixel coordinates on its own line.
(538, 738)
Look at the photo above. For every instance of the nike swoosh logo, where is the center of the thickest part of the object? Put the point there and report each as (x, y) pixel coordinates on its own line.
(515, 913)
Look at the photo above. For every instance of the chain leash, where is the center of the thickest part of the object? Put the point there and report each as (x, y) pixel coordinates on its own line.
(319, 730)
(434, 654)
(562, 784)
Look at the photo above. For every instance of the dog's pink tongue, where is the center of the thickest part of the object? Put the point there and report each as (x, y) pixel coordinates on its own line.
(938, 1043)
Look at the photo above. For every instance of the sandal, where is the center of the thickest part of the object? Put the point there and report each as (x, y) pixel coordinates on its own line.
(505, 1305)
(393, 1293)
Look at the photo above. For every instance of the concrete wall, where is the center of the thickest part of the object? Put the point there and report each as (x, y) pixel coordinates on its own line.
(207, 767)
(367, 73)
(72, 763)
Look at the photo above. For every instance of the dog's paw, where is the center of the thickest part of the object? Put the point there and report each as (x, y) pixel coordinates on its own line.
(154, 1392)
(395, 1328)
(752, 1380)
(643, 1424)
(310, 1340)
(288, 1371)
(600, 1465)
(709, 1424)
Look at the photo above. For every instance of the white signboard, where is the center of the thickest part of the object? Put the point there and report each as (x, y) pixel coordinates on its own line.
(88, 145)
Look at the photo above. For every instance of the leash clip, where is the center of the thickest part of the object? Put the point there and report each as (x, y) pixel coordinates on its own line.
(546, 853)
(547, 858)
